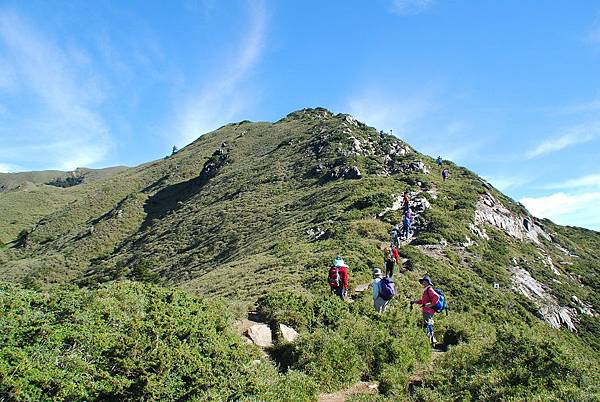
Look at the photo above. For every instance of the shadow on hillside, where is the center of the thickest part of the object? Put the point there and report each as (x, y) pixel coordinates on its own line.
(171, 198)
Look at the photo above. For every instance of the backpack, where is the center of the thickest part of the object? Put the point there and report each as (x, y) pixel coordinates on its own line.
(387, 289)
(441, 305)
(334, 279)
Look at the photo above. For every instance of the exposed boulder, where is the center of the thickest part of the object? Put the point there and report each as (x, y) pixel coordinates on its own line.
(289, 334)
(346, 172)
(260, 334)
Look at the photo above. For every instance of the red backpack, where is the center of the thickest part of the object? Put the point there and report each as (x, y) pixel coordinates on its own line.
(334, 279)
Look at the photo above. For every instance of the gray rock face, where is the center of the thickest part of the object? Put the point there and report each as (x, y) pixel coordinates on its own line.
(547, 305)
(582, 307)
(346, 172)
(260, 334)
(288, 333)
(494, 213)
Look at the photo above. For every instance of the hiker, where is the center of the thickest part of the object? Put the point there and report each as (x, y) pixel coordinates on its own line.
(388, 264)
(445, 174)
(381, 135)
(395, 235)
(439, 161)
(405, 202)
(430, 298)
(338, 277)
(174, 150)
(395, 253)
(383, 291)
(406, 222)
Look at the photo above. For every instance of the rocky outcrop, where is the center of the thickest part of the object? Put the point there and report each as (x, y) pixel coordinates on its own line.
(346, 172)
(288, 334)
(211, 167)
(548, 306)
(393, 165)
(492, 212)
(260, 335)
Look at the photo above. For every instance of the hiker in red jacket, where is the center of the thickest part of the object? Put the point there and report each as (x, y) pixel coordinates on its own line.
(429, 299)
(338, 277)
(395, 254)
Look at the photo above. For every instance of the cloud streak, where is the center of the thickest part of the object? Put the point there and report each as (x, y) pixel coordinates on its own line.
(60, 128)
(576, 135)
(223, 99)
(410, 7)
(384, 112)
(564, 208)
(591, 180)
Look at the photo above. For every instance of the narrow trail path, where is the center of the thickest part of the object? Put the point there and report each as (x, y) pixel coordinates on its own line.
(360, 388)
(416, 380)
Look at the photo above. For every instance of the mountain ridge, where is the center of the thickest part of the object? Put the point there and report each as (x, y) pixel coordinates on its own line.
(254, 213)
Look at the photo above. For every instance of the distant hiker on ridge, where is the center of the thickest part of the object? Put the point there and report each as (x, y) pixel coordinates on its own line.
(383, 291)
(405, 201)
(445, 174)
(174, 150)
(439, 161)
(395, 235)
(406, 223)
(338, 277)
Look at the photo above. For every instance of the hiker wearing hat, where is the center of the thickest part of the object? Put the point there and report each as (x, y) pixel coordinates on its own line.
(379, 301)
(430, 298)
(338, 277)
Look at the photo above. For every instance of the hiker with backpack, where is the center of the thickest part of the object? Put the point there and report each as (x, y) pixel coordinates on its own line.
(338, 277)
(395, 235)
(406, 223)
(433, 301)
(383, 291)
(445, 174)
(439, 161)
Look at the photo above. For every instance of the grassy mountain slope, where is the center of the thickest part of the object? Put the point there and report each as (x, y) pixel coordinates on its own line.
(27, 197)
(255, 212)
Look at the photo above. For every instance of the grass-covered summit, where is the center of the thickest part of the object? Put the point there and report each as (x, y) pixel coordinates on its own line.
(254, 212)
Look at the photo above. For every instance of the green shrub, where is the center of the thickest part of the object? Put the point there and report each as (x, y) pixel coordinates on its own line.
(126, 341)
(329, 359)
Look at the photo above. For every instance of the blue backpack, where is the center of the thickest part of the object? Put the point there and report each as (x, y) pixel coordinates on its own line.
(387, 289)
(441, 305)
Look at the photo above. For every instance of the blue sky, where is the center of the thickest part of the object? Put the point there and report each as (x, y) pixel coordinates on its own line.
(509, 89)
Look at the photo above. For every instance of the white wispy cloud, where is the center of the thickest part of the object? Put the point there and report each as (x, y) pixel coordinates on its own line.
(590, 180)
(410, 7)
(223, 99)
(504, 183)
(9, 168)
(55, 124)
(409, 117)
(383, 111)
(582, 107)
(575, 135)
(567, 209)
(593, 35)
